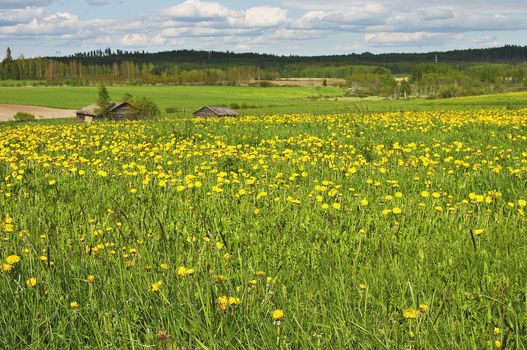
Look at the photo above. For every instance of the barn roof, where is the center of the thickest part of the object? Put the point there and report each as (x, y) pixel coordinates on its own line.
(219, 111)
(89, 110)
(92, 109)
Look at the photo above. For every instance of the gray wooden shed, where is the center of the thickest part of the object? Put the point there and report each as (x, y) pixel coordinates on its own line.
(208, 111)
(118, 111)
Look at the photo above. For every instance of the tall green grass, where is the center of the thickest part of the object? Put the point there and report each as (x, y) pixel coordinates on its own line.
(343, 276)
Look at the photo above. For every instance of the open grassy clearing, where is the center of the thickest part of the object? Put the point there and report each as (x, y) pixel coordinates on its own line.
(274, 100)
(383, 230)
(187, 97)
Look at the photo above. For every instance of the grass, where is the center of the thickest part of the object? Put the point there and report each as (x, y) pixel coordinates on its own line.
(276, 100)
(187, 97)
(371, 231)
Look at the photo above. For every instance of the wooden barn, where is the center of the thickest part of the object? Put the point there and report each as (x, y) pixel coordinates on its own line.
(208, 112)
(118, 111)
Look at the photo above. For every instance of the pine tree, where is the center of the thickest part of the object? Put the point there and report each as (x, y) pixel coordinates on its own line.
(103, 102)
(8, 57)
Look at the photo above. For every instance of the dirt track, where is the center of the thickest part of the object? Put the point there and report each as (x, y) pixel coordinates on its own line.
(8, 111)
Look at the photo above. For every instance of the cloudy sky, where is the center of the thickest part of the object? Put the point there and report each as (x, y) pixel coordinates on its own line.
(305, 27)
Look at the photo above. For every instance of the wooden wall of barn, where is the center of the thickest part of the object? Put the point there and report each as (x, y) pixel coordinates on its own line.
(125, 113)
(204, 113)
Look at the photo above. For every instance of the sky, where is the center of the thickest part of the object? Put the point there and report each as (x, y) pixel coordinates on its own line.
(289, 27)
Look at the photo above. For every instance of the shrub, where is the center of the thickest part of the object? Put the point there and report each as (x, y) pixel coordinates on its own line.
(174, 109)
(147, 108)
(246, 105)
(234, 105)
(24, 117)
(266, 84)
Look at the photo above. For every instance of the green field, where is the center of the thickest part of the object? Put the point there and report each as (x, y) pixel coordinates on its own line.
(365, 231)
(268, 100)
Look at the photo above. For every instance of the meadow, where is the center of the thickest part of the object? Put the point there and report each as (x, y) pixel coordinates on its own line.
(275, 100)
(382, 230)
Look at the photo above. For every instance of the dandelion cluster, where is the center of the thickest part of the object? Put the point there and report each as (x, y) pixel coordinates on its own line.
(220, 225)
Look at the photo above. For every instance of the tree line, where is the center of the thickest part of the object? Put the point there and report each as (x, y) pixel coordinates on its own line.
(441, 80)
(464, 75)
(82, 69)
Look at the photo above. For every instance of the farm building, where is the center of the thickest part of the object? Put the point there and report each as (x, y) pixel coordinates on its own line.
(118, 111)
(207, 112)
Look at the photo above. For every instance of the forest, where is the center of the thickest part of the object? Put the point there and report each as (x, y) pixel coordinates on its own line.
(434, 74)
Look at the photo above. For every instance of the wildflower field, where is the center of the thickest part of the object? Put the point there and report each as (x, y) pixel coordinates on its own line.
(366, 231)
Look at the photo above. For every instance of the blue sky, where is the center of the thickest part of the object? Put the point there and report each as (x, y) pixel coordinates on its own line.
(300, 27)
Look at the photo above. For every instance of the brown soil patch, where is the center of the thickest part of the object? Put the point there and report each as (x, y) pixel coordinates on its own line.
(8, 111)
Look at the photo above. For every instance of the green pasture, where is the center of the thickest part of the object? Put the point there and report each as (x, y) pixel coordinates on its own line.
(408, 235)
(275, 100)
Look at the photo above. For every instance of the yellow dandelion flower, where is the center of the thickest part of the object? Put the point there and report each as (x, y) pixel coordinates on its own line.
(220, 278)
(424, 308)
(386, 212)
(182, 271)
(278, 315)
(12, 259)
(478, 231)
(155, 287)
(31, 282)
(234, 301)
(410, 314)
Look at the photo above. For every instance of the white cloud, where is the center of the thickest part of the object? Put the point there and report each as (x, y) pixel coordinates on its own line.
(8, 16)
(332, 25)
(357, 17)
(384, 37)
(393, 38)
(58, 23)
(264, 16)
(141, 40)
(206, 32)
(297, 34)
(196, 9)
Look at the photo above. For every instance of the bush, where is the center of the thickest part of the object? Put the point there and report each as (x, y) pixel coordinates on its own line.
(246, 105)
(147, 108)
(266, 84)
(234, 105)
(24, 117)
(174, 109)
